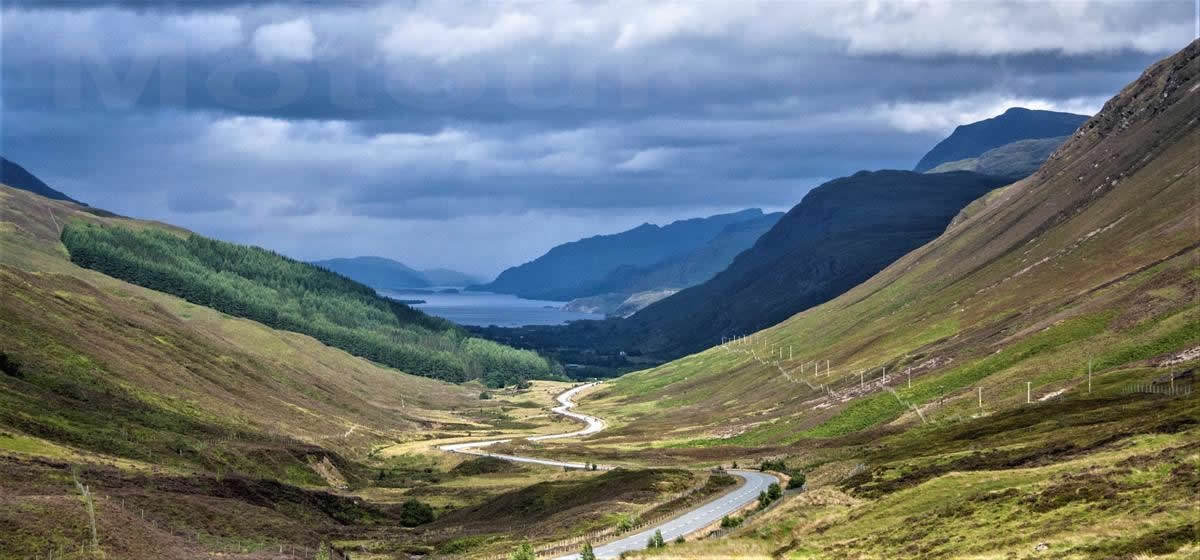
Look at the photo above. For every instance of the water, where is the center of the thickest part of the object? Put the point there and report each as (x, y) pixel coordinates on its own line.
(485, 308)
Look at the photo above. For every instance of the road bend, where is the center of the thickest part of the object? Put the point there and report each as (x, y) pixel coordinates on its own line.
(683, 524)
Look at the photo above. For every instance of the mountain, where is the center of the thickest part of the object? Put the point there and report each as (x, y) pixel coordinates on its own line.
(631, 288)
(692, 268)
(386, 274)
(573, 270)
(377, 272)
(16, 176)
(971, 140)
(1034, 366)
(840, 234)
(1015, 161)
(448, 277)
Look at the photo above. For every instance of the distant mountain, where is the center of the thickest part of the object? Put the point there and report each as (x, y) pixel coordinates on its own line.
(448, 277)
(581, 268)
(840, 234)
(971, 140)
(15, 176)
(377, 272)
(694, 267)
(1015, 161)
(386, 274)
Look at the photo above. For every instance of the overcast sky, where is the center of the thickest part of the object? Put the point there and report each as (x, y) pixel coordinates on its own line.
(478, 135)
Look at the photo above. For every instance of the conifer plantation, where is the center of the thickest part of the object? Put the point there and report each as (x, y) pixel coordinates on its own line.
(287, 294)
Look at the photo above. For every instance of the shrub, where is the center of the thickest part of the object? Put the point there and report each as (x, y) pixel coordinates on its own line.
(797, 481)
(728, 522)
(656, 540)
(414, 513)
(523, 552)
(587, 553)
(774, 492)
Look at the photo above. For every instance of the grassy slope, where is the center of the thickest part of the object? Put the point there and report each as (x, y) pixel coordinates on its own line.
(1093, 256)
(196, 417)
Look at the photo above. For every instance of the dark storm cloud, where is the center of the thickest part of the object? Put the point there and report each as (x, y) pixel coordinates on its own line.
(308, 124)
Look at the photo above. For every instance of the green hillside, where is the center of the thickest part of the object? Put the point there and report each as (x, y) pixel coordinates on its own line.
(1022, 386)
(292, 295)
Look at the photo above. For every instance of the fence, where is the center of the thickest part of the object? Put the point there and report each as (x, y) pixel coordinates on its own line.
(1169, 389)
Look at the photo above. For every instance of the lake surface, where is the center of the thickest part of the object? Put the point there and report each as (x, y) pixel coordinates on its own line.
(485, 308)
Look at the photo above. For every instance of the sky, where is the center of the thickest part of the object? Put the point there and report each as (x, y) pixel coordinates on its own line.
(477, 135)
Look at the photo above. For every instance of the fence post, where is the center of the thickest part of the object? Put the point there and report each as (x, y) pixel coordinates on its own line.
(980, 388)
(1028, 392)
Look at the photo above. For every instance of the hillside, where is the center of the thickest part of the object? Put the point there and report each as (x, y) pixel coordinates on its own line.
(1052, 340)
(689, 269)
(377, 272)
(387, 274)
(839, 235)
(574, 270)
(1014, 161)
(197, 433)
(15, 176)
(449, 277)
(1017, 123)
(286, 294)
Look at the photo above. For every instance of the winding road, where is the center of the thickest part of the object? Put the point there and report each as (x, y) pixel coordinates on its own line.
(683, 524)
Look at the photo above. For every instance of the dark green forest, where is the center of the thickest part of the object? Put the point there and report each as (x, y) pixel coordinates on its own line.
(287, 294)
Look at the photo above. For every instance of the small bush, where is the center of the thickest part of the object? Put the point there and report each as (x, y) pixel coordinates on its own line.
(797, 481)
(485, 396)
(656, 540)
(728, 522)
(523, 552)
(415, 512)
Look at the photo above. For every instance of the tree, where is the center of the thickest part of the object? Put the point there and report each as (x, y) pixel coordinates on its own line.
(774, 492)
(763, 500)
(587, 553)
(656, 541)
(680, 540)
(414, 513)
(523, 552)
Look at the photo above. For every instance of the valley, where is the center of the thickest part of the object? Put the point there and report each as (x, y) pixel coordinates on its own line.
(993, 355)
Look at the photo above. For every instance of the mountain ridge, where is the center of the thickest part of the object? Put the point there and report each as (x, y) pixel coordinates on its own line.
(572, 270)
(1016, 123)
(16, 176)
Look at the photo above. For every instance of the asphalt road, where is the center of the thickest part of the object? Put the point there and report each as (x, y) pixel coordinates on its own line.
(693, 520)
(684, 524)
(565, 405)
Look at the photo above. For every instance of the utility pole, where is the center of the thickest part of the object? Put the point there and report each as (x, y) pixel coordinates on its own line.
(1028, 392)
